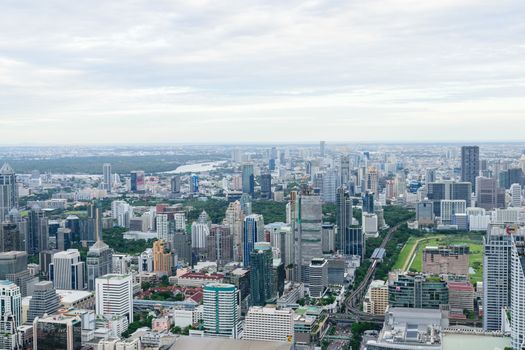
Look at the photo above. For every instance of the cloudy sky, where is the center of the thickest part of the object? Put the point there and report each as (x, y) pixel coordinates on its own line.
(251, 71)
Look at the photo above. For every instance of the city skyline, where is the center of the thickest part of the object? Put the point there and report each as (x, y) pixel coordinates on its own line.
(261, 71)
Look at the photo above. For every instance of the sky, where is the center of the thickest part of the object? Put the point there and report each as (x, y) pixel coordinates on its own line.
(98, 71)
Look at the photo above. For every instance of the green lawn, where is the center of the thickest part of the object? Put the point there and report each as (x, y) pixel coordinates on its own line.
(472, 239)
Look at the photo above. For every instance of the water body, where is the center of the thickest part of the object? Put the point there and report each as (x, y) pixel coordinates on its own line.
(196, 168)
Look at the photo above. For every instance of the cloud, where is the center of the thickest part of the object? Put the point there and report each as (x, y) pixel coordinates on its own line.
(144, 71)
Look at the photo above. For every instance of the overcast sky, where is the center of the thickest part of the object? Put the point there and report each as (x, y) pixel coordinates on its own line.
(262, 71)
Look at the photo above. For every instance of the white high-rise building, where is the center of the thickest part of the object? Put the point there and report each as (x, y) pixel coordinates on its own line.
(8, 191)
(515, 195)
(10, 314)
(67, 270)
(114, 296)
(107, 178)
(121, 211)
(370, 225)
(451, 207)
(269, 324)
(146, 261)
(199, 232)
(221, 310)
(517, 294)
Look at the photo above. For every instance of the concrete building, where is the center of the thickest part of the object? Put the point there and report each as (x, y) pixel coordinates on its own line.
(199, 232)
(308, 215)
(146, 261)
(114, 296)
(376, 298)
(517, 295)
(269, 324)
(344, 216)
(452, 259)
(8, 191)
(470, 164)
(57, 332)
(489, 195)
(262, 289)
(221, 310)
(460, 296)
(515, 195)
(67, 270)
(318, 281)
(162, 258)
(45, 300)
(10, 314)
(13, 267)
(410, 290)
(253, 232)
(99, 262)
(449, 208)
(425, 213)
(370, 225)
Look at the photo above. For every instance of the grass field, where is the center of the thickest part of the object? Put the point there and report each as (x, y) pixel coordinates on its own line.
(474, 242)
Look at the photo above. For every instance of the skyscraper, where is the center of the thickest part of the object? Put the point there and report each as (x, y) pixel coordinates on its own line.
(162, 258)
(10, 237)
(322, 145)
(497, 272)
(221, 310)
(67, 270)
(344, 213)
(489, 195)
(515, 194)
(308, 235)
(13, 267)
(114, 296)
(355, 242)
(266, 186)
(328, 191)
(262, 289)
(99, 262)
(253, 232)
(8, 191)
(517, 294)
(137, 181)
(107, 179)
(248, 180)
(194, 183)
(10, 314)
(45, 300)
(175, 184)
(37, 231)
(470, 164)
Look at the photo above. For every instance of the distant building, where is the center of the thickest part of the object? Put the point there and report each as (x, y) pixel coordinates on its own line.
(8, 191)
(107, 178)
(253, 232)
(452, 259)
(248, 179)
(137, 181)
(425, 213)
(470, 164)
(489, 195)
(162, 258)
(269, 324)
(67, 270)
(266, 186)
(99, 262)
(318, 270)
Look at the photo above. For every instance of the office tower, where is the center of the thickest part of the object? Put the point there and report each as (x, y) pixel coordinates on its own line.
(329, 188)
(114, 296)
(450, 208)
(515, 195)
(63, 239)
(328, 238)
(416, 291)
(344, 170)
(92, 229)
(430, 176)
(368, 202)
(162, 258)
(13, 267)
(99, 262)
(248, 180)
(373, 180)
(146, 261)
(37, 231)
(269, 324)
(221, 310)
(448, 190)
(246, 204)
(271, 164)
(194, 183)
(107, 178)
(425, 213)
(497, 272)
(322, 145)
(10, 237)
(376, 298)
(355, 242)
(266, 186)
(199, 232)
(175, 184)
(121, 213)
(318, 281)
(489, 195)
(308, 228)
(45, 300)
(344, 215)
(10, 314)
(453, 259)
(219, 245)
(72, 222)
(57, 332)
(470, 164)
(234, 220)
(137, 181)
(8, 191)
(253, 232)
(262, 289)
(67, 270)
(517, 294)
(182, 247)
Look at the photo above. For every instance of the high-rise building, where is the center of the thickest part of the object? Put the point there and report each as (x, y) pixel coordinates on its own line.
(416, 291)
(328, 238)
(114, 296)
(121, 212)
(13, 267)
(234, 220)
(322, 145)
(67, 270)
(253, 232)
(8, 191)
(368, 202)
(515, 195)
(45, 300)
(162, 258)
(137, 181)
(57, 332)
(489, 195)
(107, 178)
(221, 310)
(448, 190)
(248, 179)
(373, 180)
(182, 247)
(517, 294)
(470, 164)
(425, 213)
(219, 245)
(146, 261)
(344, 215)
(344, 170)
(11, 237)
(497, 272)
(376, 298)
(450, 208)
(37, 231)
(262, 289)
(308, 227)
(99, 262)
(10, 314)
(199, 232)
(318, 279)
(355, 242)
(175, 184)
(328, 191)
(269, 324)
(266, 186)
